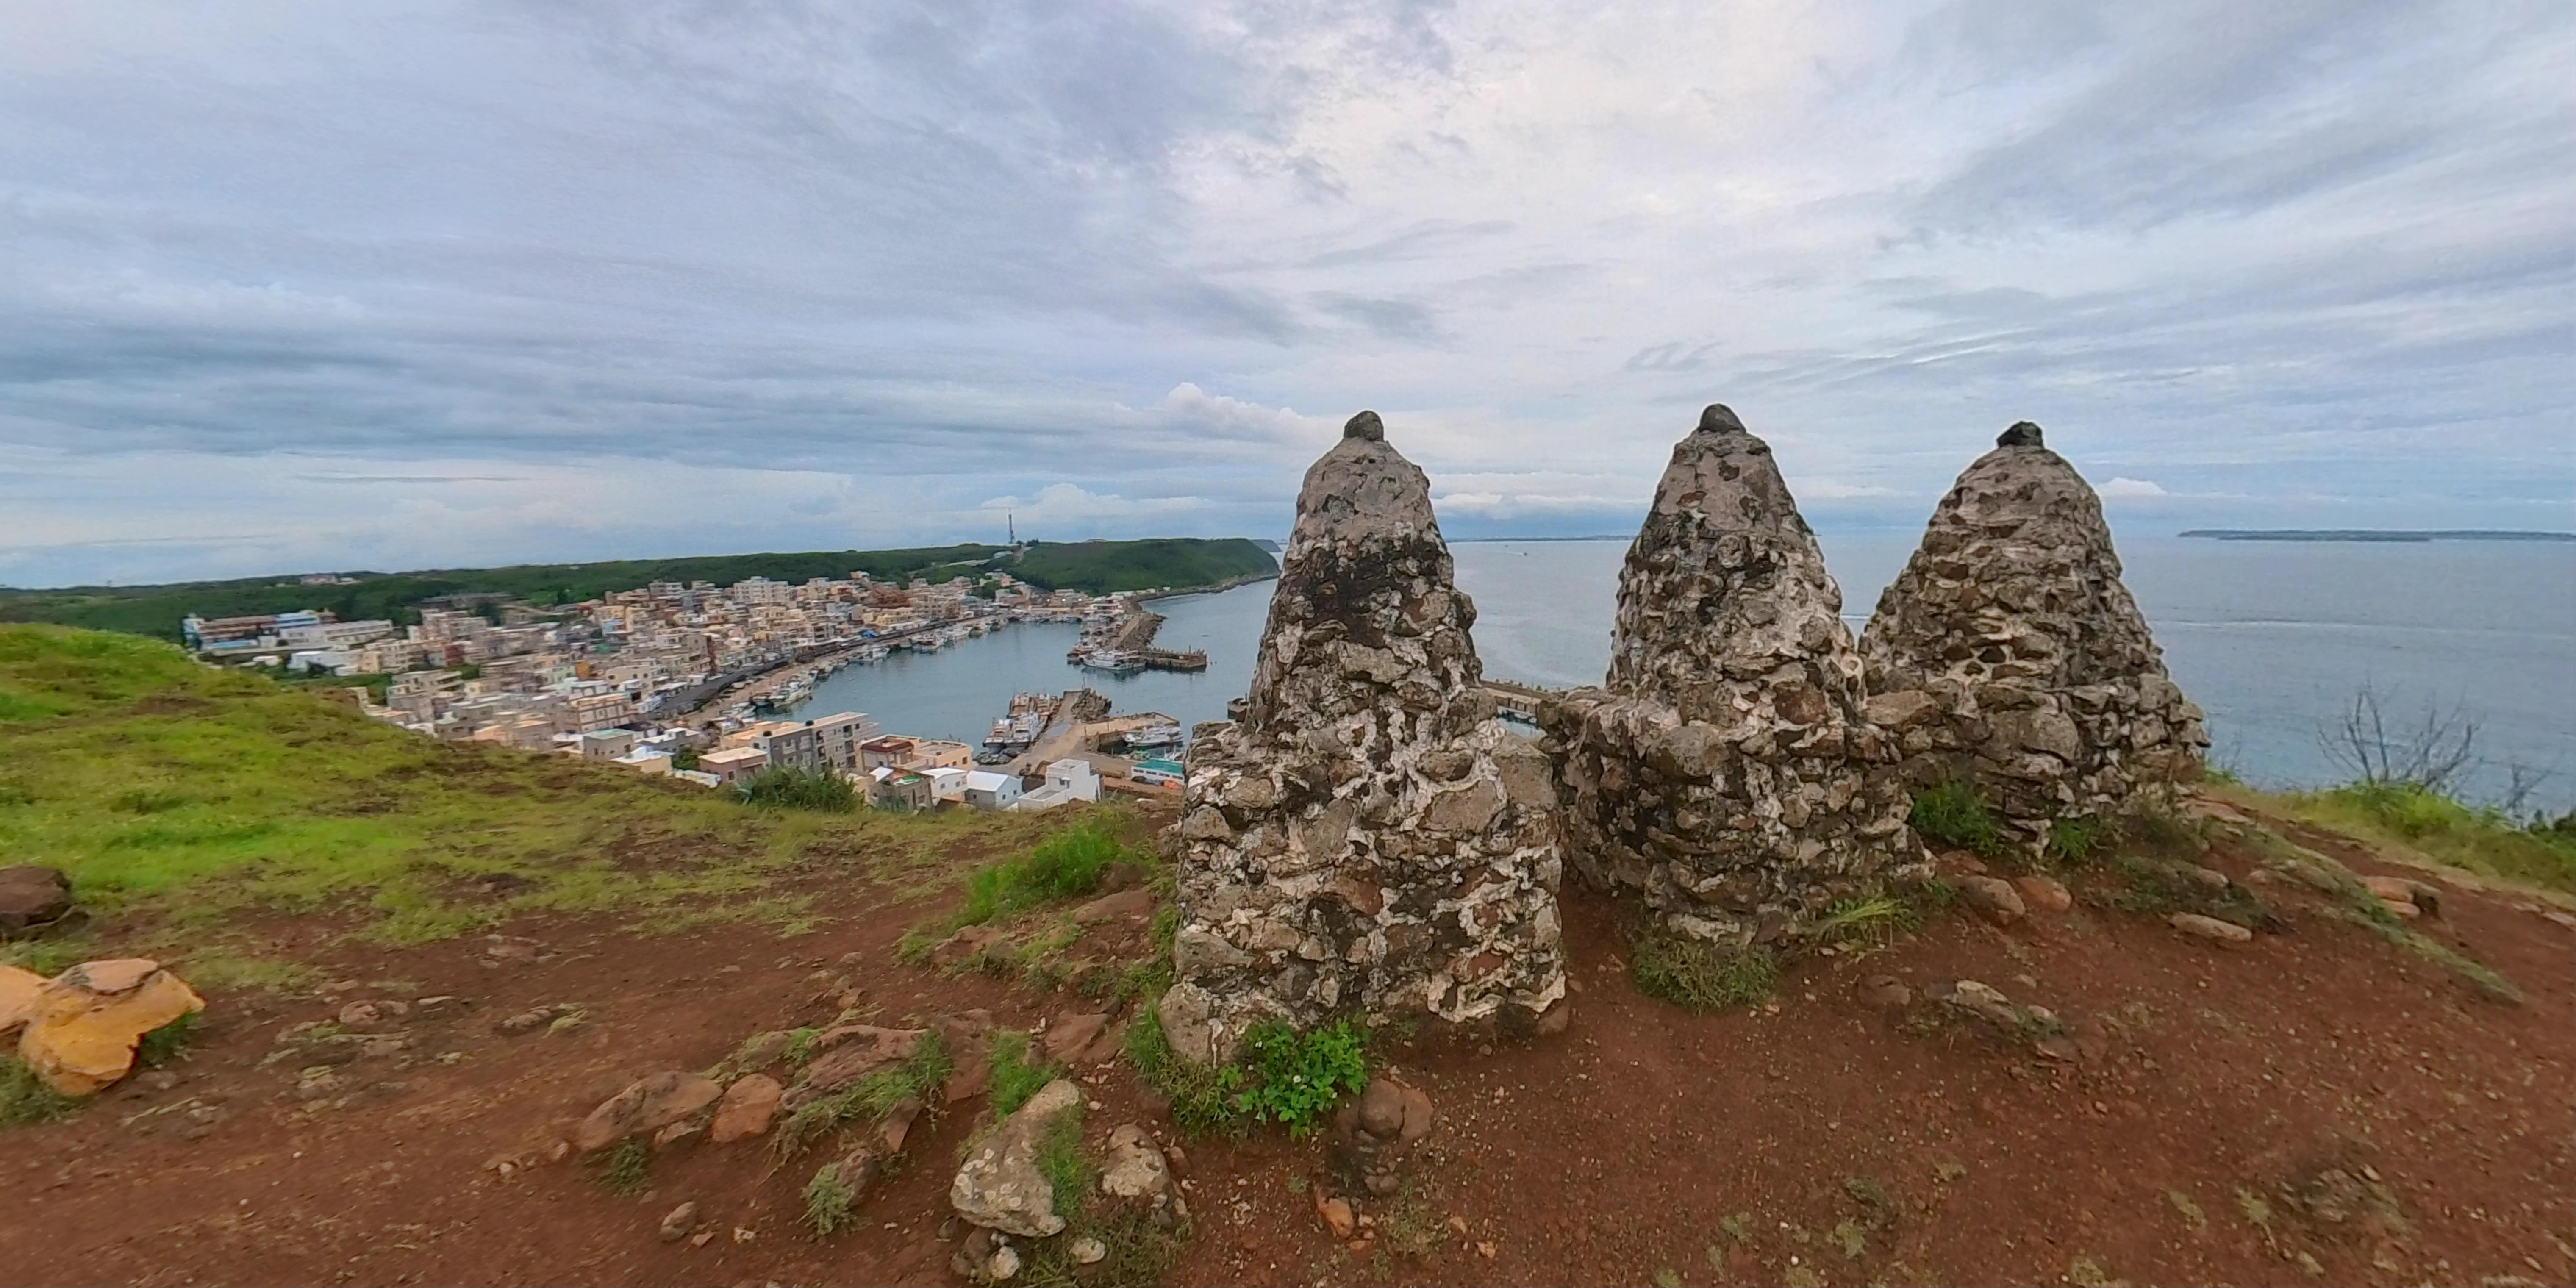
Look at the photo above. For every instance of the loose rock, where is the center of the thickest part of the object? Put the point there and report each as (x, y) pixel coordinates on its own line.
(2192, 923)
(646, 1105)
(677, 1223)
(747, 1108)
(83, 1025)
(999, 1186)
(2043, 893)
(32, 897)
(1992, 896)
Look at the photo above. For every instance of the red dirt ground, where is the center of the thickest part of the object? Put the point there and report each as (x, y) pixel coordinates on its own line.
(1819, 1139)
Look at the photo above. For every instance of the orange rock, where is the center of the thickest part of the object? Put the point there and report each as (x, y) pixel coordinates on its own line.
(83, 1026)
(18, 989)
(746, 1109)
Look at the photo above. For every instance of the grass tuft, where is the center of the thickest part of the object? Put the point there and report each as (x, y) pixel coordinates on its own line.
(626, 1169)
(1873, 920)
(1062, 866)
(164, 1044)
(25, 1099)
(2448, 832)
(1016, 1076)
(1202, 1096)
(828, 1202)
(1698, 974)
(1954, 813)
(2071, 841)
(871, 1097)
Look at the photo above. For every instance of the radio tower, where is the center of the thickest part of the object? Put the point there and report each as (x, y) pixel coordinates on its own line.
(1013, 522)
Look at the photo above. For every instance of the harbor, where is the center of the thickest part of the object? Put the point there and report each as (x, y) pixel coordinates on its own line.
(962, 690)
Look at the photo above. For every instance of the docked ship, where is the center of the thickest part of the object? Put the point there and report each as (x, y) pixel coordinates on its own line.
(1013, 733)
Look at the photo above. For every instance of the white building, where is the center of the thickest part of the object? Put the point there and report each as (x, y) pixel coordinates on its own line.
(985, 789)
(1067, 781)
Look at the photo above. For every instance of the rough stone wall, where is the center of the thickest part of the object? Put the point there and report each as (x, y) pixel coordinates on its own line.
(1724, 769)
(2009, 654)
(1365, 838)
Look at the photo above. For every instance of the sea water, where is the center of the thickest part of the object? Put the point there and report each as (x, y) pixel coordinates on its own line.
(2270, 638)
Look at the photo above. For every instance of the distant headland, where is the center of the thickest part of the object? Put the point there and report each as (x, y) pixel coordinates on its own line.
(2376, 534)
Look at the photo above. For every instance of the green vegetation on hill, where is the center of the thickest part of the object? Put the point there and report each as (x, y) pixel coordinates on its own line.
(1095, 566)
(1105, 567)
(185, 796)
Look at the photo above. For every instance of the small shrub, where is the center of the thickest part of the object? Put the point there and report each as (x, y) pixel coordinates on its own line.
(1202, 1096)
(2073, 840)
(1698, 974)
(1297, 1078)
(25, 1099)
(625, 1169)
(828, 1202)
(1015, 1076)
(786, 787)
(1954, 813)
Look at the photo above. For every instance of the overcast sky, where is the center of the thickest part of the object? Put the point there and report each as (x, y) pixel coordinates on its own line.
(325, 285)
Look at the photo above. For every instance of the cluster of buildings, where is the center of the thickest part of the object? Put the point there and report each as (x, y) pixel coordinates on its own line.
(623, 677)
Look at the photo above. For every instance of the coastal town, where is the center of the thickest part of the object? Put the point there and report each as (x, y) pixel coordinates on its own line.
(698, 682)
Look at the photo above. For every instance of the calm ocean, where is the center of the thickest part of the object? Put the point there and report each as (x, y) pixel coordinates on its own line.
(2269, 637)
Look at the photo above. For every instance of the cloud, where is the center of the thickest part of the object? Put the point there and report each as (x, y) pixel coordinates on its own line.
(2129, 489)
(452, 285)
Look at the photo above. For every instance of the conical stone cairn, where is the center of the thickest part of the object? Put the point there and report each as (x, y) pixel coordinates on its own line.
(1366, 839)
(1725, 769)
(2009, 656)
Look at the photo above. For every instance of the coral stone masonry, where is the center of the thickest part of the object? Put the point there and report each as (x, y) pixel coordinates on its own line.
(1725, 769)
(2008, 654)
(1366, 839)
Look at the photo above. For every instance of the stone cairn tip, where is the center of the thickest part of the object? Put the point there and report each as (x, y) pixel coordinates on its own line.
(1366, 427)
(2022, 434)
(1721, 419)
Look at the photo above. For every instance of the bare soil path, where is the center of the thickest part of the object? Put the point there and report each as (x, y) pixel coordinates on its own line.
(2313, 1107)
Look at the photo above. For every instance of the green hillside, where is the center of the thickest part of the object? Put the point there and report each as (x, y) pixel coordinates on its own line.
(178, 796)
(1098, 567)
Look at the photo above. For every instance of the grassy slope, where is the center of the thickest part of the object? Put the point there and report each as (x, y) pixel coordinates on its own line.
(180, 798)
(1094, 566)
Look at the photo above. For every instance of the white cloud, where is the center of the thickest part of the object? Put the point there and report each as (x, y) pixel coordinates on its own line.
(1071, 503)
(2129, 489)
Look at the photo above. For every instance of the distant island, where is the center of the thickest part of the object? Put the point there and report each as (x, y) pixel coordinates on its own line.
(2376, 534)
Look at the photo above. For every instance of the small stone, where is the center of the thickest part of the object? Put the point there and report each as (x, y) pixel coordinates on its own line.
(2043, 893)
(1885, 992)
(1067, 1035)
(1004, 1263)
(679, 1135)
(1961, 863)
(1417, 1115)
(523, 1022)
(1127, 905)
(362, 1016)
(2404, 908)
(702, 1238)
(965, 945)
(157, 1080)
(1336, 1214)
(1088, 1251)
(31, 896)
(1381, 1107)
(1985, 1002)
(677, 1223)
(1993, 896)
(2192, 923)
